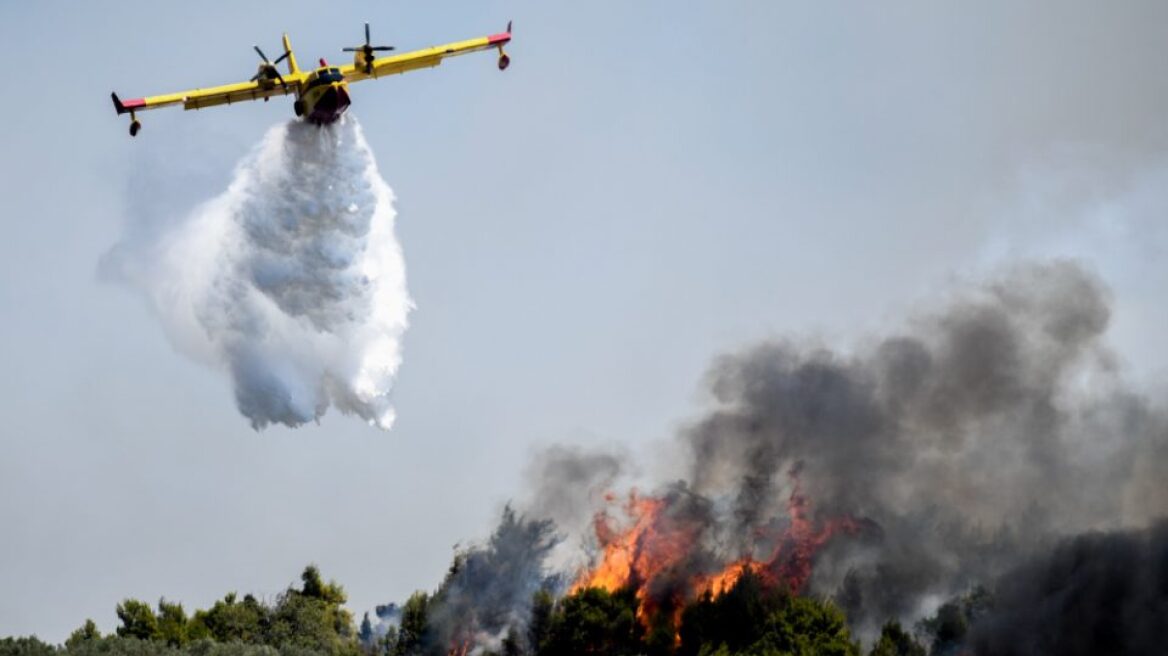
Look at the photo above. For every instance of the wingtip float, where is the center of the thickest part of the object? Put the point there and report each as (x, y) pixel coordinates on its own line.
(322, 94)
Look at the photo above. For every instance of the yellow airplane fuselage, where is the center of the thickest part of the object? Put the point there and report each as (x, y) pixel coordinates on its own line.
(324, 96)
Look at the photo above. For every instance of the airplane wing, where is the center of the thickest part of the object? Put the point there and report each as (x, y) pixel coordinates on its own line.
(427, 57)
(221, 95)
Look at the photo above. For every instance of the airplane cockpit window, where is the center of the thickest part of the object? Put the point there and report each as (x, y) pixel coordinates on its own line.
(327, 75)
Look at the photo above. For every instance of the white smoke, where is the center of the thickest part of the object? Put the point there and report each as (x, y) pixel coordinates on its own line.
(292, 279)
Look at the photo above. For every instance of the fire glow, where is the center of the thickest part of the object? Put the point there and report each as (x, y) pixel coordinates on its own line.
(658, 551)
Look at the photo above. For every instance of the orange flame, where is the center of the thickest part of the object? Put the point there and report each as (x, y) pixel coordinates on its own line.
(721, 582)
(653, 548)
(622, 549)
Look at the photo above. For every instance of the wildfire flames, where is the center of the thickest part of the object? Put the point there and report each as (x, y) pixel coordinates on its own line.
(659, 553)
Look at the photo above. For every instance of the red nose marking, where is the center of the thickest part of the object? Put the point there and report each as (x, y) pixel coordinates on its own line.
(323, 62)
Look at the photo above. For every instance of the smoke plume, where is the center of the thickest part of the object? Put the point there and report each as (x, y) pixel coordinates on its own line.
(1098, 593)
(485, 601)
(906, 471)
(291, 280)
(487, 594)
(991, 451)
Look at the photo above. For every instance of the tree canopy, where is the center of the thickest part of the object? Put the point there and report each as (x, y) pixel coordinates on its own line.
(309, 619)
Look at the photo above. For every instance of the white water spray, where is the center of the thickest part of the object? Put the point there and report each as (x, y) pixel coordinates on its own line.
(292, 279)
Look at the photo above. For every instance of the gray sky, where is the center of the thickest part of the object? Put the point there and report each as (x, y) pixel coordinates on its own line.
(649, 185)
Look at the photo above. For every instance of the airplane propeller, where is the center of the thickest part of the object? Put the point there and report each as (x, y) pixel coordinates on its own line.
(268, 68)
(368, 50)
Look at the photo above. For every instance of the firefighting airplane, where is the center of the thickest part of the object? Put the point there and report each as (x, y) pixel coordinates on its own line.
(322, 95)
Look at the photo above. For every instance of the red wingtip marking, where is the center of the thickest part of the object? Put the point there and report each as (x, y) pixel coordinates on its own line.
(134, 104)
(501, 37)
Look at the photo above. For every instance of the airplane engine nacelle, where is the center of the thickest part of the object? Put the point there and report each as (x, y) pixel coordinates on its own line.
(360, 62)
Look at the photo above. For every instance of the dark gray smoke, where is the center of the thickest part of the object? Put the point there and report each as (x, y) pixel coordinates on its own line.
(1099, 593)
(487, 594)
(566, 483)
(988, 428)
(972, 439)
(944, 457)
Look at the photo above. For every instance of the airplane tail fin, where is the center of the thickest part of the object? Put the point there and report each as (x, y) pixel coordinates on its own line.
(293, 69)
(121, 109)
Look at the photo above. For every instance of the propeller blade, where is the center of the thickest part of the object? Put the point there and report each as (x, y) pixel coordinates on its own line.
(281, 79)
(382, 48)
(281, 58)
(350, 49)
(366, 33)
(261, 54)
(255, 77)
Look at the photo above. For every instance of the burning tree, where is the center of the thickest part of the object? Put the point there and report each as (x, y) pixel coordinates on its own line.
(664, 549)
(749, 617)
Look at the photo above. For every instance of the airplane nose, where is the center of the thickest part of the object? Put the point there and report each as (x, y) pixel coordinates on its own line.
(333, 99)
(332, 103)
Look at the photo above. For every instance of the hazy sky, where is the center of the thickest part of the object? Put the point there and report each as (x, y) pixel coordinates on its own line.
(649, 185)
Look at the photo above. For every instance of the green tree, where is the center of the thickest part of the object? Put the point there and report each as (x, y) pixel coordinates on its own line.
(315, 587)
(755, 619)
(388, 642)
(895, 641)
(949, 627)
(312, 617)
(661, 638)
(365, 635)
(806, 627)
(595, 621)
(212, 648)
(232, 621)
(301, 621)
(542, 605)
(172, 623)
(86, 633)
(138, 620)
(414, 625)
(735, 619)
(123, 646)
(30, 646)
